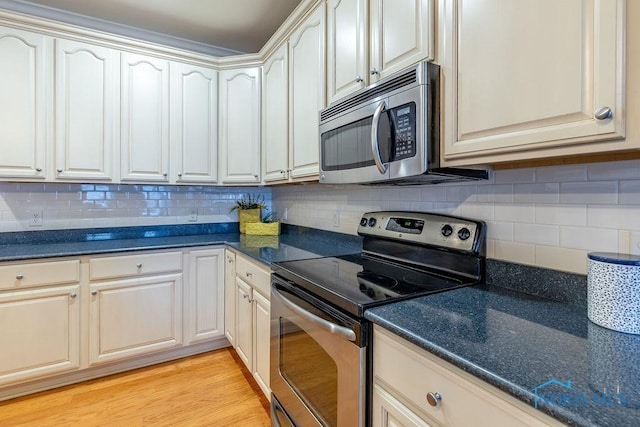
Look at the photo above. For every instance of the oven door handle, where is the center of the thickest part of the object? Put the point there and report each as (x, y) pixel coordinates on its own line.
(316, 320)
(375, 144)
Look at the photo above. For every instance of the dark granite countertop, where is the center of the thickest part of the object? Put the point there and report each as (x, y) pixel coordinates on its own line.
(524, 345)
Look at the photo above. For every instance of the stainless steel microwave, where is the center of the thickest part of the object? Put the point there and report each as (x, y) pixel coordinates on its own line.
(388, 133)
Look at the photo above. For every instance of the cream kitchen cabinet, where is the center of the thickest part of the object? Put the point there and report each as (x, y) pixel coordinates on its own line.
(40, 312)
(252, 319)
(306, 93)
(205, 295)
(240, 126)
(530, 79)
(144, 127)
(275, 116)
(194, 124)
(87, 81)
(415, 388)
(24, 76)
(230, 297)
(135, 305)
(371, 39)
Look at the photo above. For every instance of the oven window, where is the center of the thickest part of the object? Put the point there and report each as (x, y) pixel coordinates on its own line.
(310, 371)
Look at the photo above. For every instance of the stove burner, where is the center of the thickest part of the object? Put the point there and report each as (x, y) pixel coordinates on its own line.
(367, 278)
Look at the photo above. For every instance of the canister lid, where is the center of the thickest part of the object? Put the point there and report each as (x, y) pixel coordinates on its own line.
(615, 258)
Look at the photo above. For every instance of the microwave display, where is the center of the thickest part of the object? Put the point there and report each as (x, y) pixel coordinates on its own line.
(404, 122)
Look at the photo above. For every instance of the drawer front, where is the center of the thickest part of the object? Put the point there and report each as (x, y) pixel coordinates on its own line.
(26, 275)
(254, 274)
(410, 374)
(134, 265)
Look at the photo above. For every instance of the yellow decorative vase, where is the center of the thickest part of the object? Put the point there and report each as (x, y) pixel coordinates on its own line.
(248, 215)
(263, 228)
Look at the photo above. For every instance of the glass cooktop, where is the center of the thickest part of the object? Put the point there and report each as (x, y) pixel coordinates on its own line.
(359, 281)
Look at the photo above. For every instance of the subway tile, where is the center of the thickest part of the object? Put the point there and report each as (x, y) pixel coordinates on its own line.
(433, 194)
(564, 173)
(522, 253)
(447, 208)
(563, 259)
(514, 176)
(614, 216)
(409, 194)
(629, 192)
(589, 239)
(537, 234)
(536, 193)
(502, 193)
(624, 169)
(634, 244)
(482, 211)
(592, 192)
(561, 214)
(461, 193)
(515, 213)
(499, 230)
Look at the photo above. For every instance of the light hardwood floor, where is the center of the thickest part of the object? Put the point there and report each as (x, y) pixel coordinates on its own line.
(210, 389)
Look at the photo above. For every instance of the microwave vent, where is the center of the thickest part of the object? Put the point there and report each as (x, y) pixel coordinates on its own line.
(382, 88)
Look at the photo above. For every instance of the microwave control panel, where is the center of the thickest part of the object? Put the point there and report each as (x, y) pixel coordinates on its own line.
(404, 123)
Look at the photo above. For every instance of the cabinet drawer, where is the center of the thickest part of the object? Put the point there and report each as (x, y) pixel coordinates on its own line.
(25, 275)
(409, 373)
(254, 274)
(134, 265)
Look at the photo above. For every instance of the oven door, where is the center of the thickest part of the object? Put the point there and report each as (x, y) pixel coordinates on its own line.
(318, 360)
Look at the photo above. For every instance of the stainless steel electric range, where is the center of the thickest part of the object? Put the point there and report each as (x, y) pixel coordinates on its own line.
(320, 340)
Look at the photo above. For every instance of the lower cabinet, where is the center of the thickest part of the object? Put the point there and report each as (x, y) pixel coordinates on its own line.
(252, 318)
(415, 388)
(230, 297)
(204, 299)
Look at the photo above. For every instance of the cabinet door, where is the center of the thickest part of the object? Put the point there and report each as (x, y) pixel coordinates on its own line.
(134, 317)
(531, 75)
(240, 126)
(306, 64)
(194, 123)
(230, 297)
(205, 295)
(387, 411)
(40, 333)
(347, 47)
(145, 118)
(401, 32)
(262, 336)
(86, 106)
(23, 109)
(275, 112)
(244, 323)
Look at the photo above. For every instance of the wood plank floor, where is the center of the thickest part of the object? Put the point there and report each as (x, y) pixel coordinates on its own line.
(210, 389)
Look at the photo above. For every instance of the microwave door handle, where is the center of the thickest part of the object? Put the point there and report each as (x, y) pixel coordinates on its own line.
(375, 144)
(318, 321)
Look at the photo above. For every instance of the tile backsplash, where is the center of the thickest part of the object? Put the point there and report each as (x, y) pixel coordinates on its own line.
(550, 217)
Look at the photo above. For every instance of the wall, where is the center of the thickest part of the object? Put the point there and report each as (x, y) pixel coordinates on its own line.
(550, 216)
(87, 205)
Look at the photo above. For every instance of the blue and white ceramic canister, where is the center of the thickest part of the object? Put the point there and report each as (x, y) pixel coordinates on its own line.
(613, 291)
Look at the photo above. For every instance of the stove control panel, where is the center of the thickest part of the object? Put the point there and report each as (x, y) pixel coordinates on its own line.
(424, 228)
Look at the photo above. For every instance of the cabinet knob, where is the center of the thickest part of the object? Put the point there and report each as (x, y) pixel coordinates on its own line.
(60, 170)
(283, 171)
(38, 169)
(179, 175)
(230, 261)
(255, 176)
(374, 72)
(19, 276)
(434, 398)
(165, 174)
(73, 295)
(249, 274)
(138, 265)
(94, 293)
(603, 113)
(359, 79)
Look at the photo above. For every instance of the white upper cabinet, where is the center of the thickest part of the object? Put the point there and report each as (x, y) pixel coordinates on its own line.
(526, 79)
(307, 93)
(275, 138)
(194, 124)
(145, 118)
(23, 106)
(87, 110)
(370, 39)
(240, 125)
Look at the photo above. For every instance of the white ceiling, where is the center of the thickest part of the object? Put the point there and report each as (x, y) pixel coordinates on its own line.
(236, 25)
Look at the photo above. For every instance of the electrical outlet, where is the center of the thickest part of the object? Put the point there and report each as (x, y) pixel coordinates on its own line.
(193, 215)
(336, 219)
(35, 219)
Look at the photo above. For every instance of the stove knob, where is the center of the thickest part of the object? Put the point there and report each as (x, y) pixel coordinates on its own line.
(446, 230)
(464, 233)
(363, 222)
(372, 222)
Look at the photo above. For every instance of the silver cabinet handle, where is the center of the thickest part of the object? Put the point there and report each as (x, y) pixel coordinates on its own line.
(138, 265)
(19, 276)
(38, 169)
(230, 261)
(246, 296)
(283, 171)
(255, 176)
(375, 144)
(434, 398)
(73, 295)
(359, 79)
(332, 328)
(60, 170)
(374, 72)
(248, 274)
(179, 175)
(603, 113)
(165, 174)
(94, 293)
